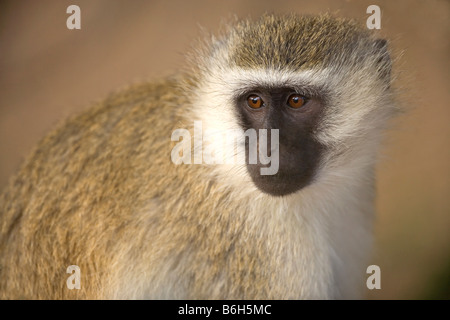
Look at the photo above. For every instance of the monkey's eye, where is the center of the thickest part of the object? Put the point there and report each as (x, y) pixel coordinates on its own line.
(296, 101)
(254, 101)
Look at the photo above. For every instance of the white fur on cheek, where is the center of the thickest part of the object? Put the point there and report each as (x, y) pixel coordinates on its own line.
(215, 103)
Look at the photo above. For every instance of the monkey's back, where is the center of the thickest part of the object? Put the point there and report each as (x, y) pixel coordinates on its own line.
(76, 197)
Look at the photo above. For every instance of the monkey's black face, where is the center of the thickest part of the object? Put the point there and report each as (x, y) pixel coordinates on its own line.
(295, 116)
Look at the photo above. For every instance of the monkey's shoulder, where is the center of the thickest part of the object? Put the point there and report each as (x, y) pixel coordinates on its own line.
(104, 145)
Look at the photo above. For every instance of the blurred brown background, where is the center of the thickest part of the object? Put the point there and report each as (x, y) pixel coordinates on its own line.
(48, 72)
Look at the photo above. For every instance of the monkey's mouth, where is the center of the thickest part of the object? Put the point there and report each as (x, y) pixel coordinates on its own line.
(296, 165)
(283, 183)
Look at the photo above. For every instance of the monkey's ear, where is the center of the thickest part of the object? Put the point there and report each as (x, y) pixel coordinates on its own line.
(384, 64)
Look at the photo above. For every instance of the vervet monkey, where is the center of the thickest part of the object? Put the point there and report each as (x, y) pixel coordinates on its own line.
(101, 192)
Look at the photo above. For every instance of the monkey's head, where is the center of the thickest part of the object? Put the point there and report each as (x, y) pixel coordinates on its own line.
(324, 83)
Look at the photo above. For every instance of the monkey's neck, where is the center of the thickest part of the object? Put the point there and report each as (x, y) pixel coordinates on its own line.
(317, 241)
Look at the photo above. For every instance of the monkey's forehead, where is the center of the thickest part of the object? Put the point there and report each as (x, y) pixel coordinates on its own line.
(296, 42)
